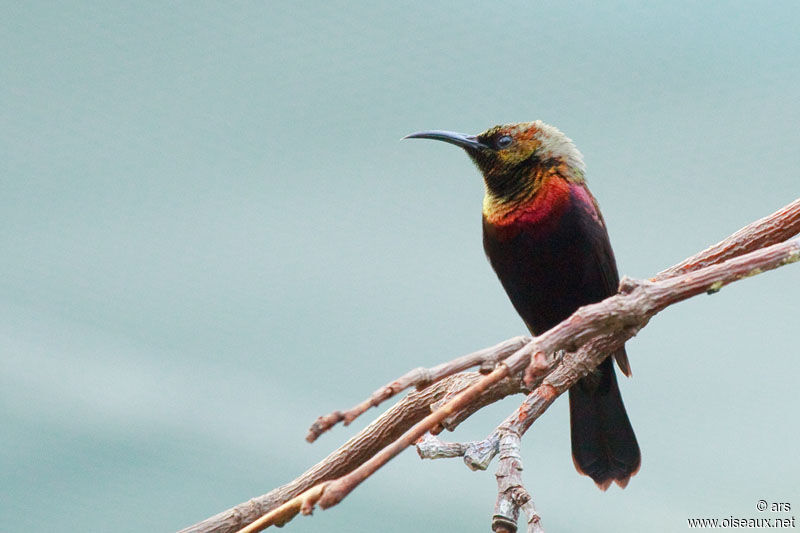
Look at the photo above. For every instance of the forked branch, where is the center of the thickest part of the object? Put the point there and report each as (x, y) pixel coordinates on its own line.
(590, 333)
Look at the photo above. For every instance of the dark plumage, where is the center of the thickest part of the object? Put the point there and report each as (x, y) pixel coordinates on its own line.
(547, 242)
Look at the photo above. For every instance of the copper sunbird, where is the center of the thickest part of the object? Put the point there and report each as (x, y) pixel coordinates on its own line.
(547, 241)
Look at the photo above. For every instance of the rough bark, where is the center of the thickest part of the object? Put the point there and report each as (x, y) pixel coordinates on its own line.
(386, 428)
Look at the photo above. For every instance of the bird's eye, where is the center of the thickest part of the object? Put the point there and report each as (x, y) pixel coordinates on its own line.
(504, 141)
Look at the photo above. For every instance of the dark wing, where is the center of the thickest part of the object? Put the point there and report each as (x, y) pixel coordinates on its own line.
(602, 256)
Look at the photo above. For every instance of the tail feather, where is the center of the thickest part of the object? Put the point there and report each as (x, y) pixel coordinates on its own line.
(604, 446)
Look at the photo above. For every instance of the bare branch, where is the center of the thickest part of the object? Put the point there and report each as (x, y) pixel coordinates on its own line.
(630, 310)
(777, 227)
(420, 378)
(479, 454)
(385, 429)
(781, 225)
(609, 323)
(588, 334)
(512, 497)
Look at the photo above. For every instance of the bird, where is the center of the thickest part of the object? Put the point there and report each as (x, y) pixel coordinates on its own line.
(546, 240)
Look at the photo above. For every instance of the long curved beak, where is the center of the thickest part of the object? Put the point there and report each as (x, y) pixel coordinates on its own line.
(467, 142)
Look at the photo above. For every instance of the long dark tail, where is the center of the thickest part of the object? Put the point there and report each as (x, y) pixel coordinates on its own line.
(603, 444)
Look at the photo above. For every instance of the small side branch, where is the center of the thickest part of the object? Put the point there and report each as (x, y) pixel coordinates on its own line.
(477, 454)
(780, 226)
(486, 359)
(512, 497)
(335, 491)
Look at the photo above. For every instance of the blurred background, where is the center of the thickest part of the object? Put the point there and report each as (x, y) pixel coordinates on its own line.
(211, 234)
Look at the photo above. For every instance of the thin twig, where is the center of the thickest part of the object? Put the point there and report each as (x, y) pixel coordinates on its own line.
(420, 378)
(781, 225)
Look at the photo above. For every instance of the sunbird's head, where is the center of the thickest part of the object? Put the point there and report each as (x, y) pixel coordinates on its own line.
(514, 158)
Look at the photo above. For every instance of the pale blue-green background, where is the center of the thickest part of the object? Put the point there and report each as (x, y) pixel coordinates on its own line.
(211, 234)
